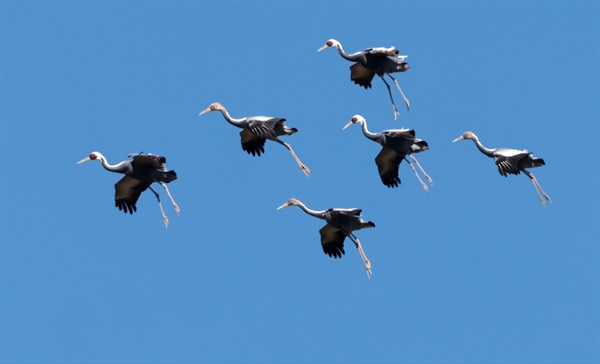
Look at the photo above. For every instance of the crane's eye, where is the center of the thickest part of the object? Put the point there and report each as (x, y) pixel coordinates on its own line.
(93, 156)
(329, 43)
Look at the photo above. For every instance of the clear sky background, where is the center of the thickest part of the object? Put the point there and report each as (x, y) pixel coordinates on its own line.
(477, 270)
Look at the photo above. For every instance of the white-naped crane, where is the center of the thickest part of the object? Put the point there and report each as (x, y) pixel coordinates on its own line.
(511, 161)
(378, 61)
(397, 145)
(257, 129)
(140, 173)
(341, 223)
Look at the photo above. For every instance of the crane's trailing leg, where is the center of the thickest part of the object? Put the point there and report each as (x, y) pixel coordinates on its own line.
(362, 254)
(538, 188)
(303, 167)
(165, 218)
(417, 174)
(171, 197)
(422, 170)
(401, 93)
(396, 112)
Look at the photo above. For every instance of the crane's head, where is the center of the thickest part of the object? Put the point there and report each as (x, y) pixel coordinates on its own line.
(330, 43)
(215, 106)
(466, 135)
(92, 157)
(290, 202)
(355, 119)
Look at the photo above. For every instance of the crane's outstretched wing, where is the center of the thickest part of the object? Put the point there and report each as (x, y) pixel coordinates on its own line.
(507, 160)
(388, 162)
(382, 51)
(349, 211)
(361, 75)
(252, 143)
(264, 126)
(127, 192)
(400, 133)
(149, 160)
(332, 241)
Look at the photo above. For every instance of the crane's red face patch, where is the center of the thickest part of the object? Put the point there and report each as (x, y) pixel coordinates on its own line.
(329, 43)
(354, 120)
(93, 156)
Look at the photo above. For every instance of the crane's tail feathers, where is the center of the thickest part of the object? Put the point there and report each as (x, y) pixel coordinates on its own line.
(169, 176)
(420, 146)
(368, 224)
(538, 162)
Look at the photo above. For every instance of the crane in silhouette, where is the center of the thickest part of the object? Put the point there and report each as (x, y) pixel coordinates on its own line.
(378, 61)
(140, 173)
(511, 161)
(341, 223)
(397, 145)
(257, 129)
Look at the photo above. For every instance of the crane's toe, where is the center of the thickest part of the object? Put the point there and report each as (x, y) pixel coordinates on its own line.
(306, 171)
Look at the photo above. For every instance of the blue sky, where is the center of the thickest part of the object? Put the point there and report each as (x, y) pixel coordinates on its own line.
(474, 271)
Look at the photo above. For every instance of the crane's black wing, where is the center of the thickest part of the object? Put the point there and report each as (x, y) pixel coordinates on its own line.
(388, 162)
(361, 75)
(252, 143)
(400, 133)
(127, 192)
(345, 211)
(332, 241)
(149, 160)
(507, 160)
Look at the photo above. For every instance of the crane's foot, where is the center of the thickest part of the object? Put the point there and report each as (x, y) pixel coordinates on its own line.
(396, 112)
(368, 268)
(305, 170)
(176, 208)
(425, 187)
(166, 220)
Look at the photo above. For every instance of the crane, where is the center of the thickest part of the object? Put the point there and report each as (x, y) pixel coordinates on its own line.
(378, 61)
(511, 161)
(341, 222)
(257, 129)
(140, 173)
(397, 145)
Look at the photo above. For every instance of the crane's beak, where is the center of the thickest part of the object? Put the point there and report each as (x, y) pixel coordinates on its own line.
(204, 111)
(284, 205)
(347, 125)
(457, 139)
(323, 47)
(86, 159)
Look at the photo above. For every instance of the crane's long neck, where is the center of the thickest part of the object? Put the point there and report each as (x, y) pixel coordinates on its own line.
(351, 57)
(315, 213)
(373, 136)
(484, 150)
(117, 168)
(237, 122)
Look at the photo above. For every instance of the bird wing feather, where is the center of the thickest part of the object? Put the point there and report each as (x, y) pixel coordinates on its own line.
(127, 192)
(332, 241)
(398, 133)
(252, 143)
(350, 211)
(507, 160)
(382, 50)
(150, 160)
(264, 126)
(388, 163)
(361, 75)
